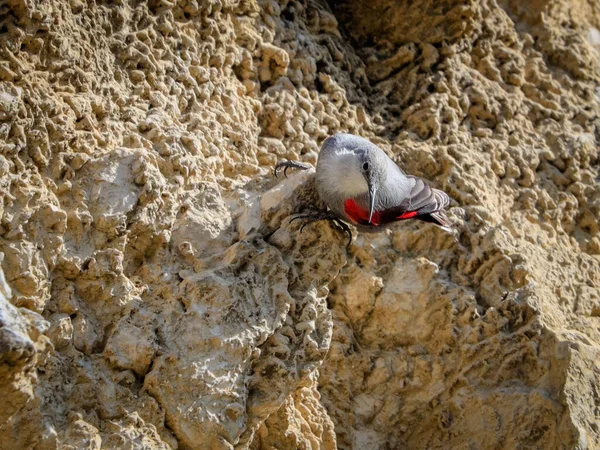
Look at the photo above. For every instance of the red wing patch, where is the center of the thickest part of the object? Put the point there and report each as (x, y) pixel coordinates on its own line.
(359, 215)
(407, 215)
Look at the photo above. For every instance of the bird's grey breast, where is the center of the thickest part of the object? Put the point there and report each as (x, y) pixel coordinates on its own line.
(338, 168)
(338, 179)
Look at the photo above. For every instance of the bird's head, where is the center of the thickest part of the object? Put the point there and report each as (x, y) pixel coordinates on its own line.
(373, 168)
(352, 166)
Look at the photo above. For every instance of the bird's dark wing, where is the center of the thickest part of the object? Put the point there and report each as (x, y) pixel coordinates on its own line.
(423, 203)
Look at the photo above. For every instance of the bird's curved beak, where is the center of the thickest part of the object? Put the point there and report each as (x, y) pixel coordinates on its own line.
(372, 192)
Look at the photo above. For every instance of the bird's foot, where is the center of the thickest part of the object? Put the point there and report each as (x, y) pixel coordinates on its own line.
(317, 216)
(285, 165)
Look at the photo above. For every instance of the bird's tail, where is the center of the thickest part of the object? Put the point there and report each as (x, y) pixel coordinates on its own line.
(438, 201)
(425, 203)
(440, 218)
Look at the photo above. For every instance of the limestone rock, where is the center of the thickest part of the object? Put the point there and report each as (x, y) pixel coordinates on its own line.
(155, 294)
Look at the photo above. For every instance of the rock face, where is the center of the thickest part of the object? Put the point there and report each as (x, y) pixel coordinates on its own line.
(154, 294)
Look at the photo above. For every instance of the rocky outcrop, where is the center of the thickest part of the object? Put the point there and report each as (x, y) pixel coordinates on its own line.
(156, 295)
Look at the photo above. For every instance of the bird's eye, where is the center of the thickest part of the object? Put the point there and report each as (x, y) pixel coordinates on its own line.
(366, 166)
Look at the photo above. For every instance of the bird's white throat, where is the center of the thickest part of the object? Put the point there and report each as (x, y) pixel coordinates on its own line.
(341, 172)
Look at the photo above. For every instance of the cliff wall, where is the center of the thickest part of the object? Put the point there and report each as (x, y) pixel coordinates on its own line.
(153, 294)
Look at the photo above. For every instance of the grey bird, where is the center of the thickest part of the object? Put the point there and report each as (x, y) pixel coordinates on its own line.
(361, 185)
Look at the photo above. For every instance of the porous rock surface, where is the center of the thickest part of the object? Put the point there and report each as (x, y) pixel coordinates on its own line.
(154, 294)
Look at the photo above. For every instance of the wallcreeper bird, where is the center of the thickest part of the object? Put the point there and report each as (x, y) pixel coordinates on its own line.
(360, 184)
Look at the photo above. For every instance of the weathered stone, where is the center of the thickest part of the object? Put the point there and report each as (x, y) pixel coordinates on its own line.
(140, 219)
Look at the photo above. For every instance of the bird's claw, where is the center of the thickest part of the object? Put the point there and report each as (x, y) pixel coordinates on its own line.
(315, 217)
(287, 165)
